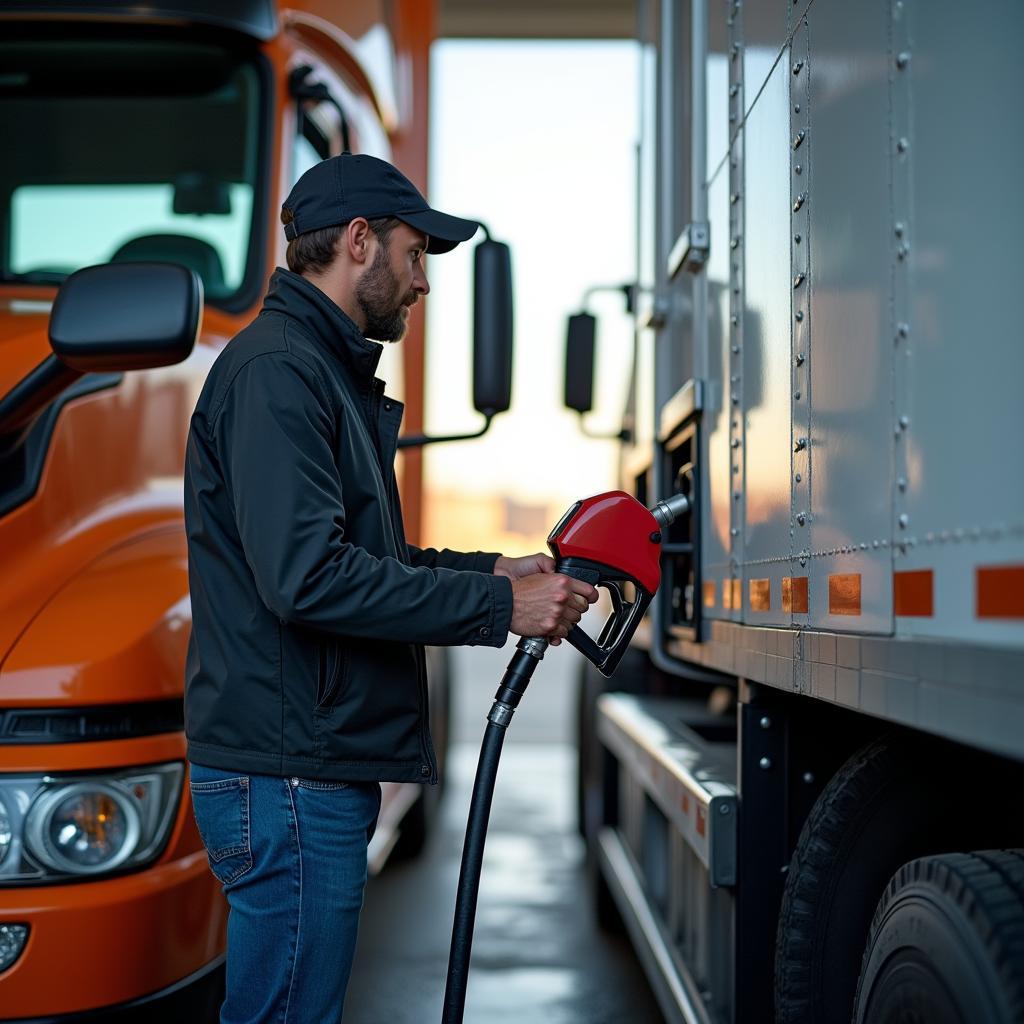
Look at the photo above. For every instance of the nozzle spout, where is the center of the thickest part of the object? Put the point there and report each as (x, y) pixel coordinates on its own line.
(670, 509)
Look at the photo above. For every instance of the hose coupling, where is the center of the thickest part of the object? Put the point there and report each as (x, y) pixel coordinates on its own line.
(501, 713)
(534, 646)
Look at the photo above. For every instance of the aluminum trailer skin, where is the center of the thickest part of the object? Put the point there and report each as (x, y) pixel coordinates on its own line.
(803, 797)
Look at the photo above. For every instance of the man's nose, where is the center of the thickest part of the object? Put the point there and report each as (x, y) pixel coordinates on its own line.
(420, 283)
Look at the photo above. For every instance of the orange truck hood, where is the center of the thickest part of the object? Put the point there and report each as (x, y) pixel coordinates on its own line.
(89, 529)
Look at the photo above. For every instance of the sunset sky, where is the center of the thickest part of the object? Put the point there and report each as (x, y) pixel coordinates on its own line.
(537, 139)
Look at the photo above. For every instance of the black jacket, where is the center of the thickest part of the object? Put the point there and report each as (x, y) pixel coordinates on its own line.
(308, 607)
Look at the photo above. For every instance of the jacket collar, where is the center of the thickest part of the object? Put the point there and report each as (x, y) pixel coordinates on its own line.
(301, 300)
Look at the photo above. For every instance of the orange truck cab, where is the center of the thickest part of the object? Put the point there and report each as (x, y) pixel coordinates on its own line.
(166, 132)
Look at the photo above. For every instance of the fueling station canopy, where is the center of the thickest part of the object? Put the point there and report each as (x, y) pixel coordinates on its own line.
(538, 19)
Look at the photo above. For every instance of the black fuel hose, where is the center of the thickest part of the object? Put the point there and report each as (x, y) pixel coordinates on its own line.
(513, 686)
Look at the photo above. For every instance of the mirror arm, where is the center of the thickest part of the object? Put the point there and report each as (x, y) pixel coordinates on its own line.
(419, 440)
(33, 393)
(624, 434)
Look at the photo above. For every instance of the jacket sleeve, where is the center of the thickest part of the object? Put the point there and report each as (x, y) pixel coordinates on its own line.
(474, 561)
(273, 434)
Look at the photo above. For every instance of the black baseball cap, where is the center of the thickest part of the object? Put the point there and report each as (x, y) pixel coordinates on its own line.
(352, 185)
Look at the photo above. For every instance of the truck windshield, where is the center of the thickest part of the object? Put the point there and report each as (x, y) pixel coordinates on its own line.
(127, 149)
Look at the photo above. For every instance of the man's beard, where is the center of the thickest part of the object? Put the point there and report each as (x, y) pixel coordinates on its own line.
(375, 293)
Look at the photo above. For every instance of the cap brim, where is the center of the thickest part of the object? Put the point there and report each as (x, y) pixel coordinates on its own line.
(444, 231)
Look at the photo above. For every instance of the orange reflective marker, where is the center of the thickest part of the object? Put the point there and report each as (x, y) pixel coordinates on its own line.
(844, 594)
(999, 592)
(913, 593)
(794, 594)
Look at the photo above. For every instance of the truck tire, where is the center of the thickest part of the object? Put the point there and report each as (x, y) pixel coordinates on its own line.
(947, 943)
(888, 804)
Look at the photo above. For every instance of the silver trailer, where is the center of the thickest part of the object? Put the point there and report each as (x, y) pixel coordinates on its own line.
(803, 797)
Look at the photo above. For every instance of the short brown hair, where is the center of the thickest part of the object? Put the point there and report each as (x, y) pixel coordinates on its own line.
(315, 250)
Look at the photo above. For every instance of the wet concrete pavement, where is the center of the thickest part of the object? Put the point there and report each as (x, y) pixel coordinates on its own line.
(538, 955)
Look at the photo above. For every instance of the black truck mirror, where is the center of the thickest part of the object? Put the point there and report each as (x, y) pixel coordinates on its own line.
(492, 327)
(126, 316)
(579, 362)
(492, 340)
(109, 319)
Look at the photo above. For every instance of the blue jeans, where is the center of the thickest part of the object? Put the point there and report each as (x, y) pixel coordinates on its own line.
(291, 856)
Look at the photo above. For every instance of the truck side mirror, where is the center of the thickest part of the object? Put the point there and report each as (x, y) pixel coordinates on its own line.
(579, 362)
(109, 319)
(492, 327)
(126, 316)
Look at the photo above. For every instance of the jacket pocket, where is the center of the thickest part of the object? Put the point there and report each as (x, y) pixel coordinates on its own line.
(330, 669)
(221, 811)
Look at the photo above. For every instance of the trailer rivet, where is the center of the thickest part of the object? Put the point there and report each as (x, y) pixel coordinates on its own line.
(734, 320)
(735, 399)
(799, 138)
(736, 495)
(808, 777)
(901, 483)
(734, 242)
(799, 359)
(735, 350)
(724, 809)
(732, 118)
(904, 520)
(798, 169)
(801, 518)
(797, 66)
(902, 59)
(902, 145)
(803, 561)
(735, 469)
(798, 478)
(797, 239)
(734, 532)
(801, 444)
(766, 722)
(899, 228)
(901, 252)
(904, 422)
(765, 763)
(799, 280)
(796, 395)
(903, 330)
(734, 88)
(735, 442)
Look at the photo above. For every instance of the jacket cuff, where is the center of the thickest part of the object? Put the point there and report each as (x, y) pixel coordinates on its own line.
(484, 561)
(495, 633)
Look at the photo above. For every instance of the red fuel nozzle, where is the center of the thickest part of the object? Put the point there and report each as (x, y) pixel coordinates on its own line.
(612, 541)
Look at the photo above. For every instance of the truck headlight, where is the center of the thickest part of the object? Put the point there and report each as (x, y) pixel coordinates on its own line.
(87, 825)
(84, 828)
(5, 831)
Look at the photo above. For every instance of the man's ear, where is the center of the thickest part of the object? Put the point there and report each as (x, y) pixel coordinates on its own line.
(357, 240)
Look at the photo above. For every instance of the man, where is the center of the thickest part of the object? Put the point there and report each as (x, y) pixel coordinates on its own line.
(305, 681)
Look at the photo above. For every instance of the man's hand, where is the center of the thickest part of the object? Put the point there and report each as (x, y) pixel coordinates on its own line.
(517, 568)
(548, 604)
